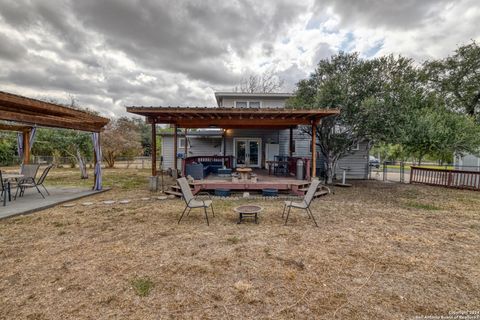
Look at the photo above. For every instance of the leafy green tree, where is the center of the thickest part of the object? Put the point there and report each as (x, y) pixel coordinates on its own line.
(440, 133)
(73, 144)
(7, 148)
(372, 96)
(457, 79)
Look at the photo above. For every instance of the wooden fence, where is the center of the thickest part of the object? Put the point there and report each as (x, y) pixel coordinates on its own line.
(447, 178)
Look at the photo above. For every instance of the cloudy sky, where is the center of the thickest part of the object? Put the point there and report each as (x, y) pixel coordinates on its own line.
(112, 53)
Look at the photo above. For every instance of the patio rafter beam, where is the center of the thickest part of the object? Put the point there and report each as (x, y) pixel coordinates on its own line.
(228, 117)
(56, 122)
(36, 112)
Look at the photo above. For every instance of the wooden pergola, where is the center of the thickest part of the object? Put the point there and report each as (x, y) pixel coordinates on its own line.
(22, 114)
(231, 118)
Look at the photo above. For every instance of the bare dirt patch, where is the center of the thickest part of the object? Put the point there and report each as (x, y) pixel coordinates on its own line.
(381, 252)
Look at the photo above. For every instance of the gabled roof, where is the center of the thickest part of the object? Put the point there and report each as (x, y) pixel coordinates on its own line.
(36, 112)
(186, 117)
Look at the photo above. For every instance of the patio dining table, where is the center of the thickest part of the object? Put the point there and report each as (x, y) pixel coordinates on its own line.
(9, 177)
(12, 176)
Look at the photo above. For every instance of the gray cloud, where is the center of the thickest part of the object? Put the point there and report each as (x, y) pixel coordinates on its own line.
(189, 37)
(112, 53)
(403, 14)
(77, 46)
(10, 49)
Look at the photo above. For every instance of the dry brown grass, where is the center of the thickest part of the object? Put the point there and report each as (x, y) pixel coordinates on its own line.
(381, 252)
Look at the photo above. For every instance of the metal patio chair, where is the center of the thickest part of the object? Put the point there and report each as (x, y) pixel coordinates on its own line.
(281, 166)
(29, 173)
(305, 204)
(31, 183)
(190, 200)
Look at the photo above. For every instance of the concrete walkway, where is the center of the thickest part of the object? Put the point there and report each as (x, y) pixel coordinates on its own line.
(32, 201)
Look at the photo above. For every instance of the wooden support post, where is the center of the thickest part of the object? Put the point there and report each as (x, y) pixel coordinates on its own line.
(314, 149)
(154, 149)
(184, 168)
(290, 145)
(26, 146)
(224, 140)
(186, 142)
(175, 145)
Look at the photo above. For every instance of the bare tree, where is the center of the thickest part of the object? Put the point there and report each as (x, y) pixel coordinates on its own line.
(267, 82)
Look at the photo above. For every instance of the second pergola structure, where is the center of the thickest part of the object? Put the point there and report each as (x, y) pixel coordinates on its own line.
(23, 114)
(231, 118)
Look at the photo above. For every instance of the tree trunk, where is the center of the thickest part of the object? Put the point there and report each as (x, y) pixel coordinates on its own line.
(420, 160)
(110, 159)
(330, 163)
(82, 165)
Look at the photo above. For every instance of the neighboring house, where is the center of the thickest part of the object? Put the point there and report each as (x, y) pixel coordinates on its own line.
(253, 147)
(468, 162)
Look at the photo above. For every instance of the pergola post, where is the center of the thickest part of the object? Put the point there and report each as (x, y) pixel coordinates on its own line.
(290, 145)
(26, 147)
(314, 149)
(185, 154)
(154, 149)
(154, 177)
(175, 148)
(186, 142)
(97, 158)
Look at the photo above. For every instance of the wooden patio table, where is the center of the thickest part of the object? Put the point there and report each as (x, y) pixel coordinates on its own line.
(244, 173)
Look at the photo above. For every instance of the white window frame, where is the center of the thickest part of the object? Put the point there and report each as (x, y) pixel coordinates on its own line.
(259, 103)
(240, 101)
(248, 103)
(356, 148)
(181, 143)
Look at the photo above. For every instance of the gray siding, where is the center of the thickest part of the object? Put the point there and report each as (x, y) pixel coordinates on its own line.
(468, 162)
(199, 146)
(357, 161)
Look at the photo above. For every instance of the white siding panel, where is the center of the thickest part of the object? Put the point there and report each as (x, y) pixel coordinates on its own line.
(265, 102)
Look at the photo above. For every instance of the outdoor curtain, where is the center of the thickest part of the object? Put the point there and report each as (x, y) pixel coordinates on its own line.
(20, 142)
(98, 164)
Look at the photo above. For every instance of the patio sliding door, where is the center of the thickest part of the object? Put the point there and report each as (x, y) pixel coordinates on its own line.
(248, 152)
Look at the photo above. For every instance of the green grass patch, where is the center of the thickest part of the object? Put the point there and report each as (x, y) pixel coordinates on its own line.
(422, 206)
(142, 286)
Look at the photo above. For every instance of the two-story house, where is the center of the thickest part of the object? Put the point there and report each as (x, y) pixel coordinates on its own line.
(254, 147)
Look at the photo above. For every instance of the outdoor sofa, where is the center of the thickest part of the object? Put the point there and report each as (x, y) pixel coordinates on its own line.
(200, 170)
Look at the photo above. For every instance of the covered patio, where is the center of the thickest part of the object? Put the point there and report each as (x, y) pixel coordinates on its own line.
(233, 118)
(24, 115)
